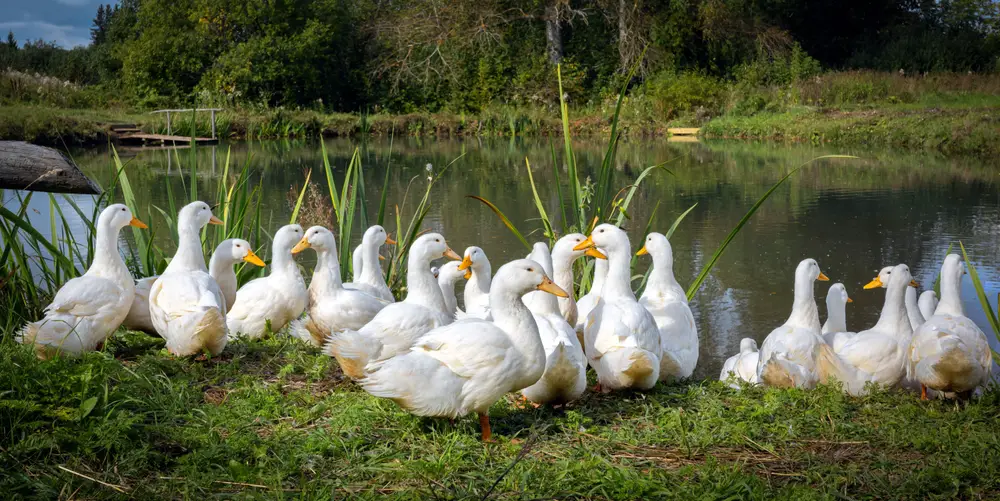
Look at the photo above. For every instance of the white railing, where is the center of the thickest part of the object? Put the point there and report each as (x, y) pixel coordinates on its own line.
(196, 110)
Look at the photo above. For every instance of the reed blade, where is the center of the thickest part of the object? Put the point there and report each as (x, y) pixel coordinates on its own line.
(991, 316)
(703, 274)
(510, 226)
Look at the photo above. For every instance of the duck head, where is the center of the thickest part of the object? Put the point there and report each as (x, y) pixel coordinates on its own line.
(474, 259)
(608, 237)
(318, 238)
(522, 276)
(448, 273)
(196, 215)
(838, 293)
(234, 250)
(118, 216)
(883, 277)
(748, 345)
(656, 244)
(286, 238)
(568, 243)
(432, 246)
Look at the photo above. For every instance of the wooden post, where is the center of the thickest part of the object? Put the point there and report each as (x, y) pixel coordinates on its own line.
(169, 132)
(25, 166)
(213, 123)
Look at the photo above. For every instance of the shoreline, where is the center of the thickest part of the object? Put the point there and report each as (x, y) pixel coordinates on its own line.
(973, 131)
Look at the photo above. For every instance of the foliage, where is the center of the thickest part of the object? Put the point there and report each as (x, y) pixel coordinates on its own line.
(434, 55)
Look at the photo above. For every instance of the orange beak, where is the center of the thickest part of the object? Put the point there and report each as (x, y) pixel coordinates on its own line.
(215, 220)
(849, 300)
(466, 264)
(876, 282)
(138, 224)
(642, 251)
(450, 254)
(389, 240)
(301, 246)
(252, 258)
(584, 245)
(822, 277)
(913, 283)
(595, 253)
(550, 287)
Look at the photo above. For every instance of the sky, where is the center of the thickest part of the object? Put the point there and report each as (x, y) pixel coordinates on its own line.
(65, 22)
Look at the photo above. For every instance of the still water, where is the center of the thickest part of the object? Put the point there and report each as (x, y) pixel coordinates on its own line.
(853, 216)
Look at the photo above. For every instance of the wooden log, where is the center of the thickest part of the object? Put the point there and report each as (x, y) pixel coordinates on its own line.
(25, 166)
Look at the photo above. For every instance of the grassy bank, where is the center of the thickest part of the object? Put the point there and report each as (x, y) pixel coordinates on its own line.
(278, 420)
(950, 113)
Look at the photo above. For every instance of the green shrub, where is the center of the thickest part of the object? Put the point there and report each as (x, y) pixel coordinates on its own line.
(674, 95)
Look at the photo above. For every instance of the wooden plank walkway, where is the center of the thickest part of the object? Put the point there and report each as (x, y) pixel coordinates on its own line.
(146, 139)
(683, 131)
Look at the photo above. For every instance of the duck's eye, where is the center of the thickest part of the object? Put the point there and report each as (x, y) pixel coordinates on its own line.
(237, 246)
(531, 269)
(123, 209)
(437, 239)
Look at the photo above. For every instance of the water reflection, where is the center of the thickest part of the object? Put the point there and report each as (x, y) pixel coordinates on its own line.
(852, 216)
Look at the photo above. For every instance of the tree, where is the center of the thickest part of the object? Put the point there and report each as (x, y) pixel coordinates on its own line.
(11, 41)
(98, 32)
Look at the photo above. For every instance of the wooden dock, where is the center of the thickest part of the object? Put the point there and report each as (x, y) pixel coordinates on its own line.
(146, 139)
(683, 131)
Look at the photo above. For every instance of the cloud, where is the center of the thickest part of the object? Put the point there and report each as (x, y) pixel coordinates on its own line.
(74, 3)
(65, 35)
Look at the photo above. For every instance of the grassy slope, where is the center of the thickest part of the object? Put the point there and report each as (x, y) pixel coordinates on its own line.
(274, 419)
(958, 130)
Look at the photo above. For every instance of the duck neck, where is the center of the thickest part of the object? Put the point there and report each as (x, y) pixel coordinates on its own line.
(661, 277)
(189, 256)
(951, 295)
(512, 315)
(106, 256)
(618, 282)
(836, 315)
(448, 294)
(600, 275)
(482, 276)
(282, 262)
(804, 312)
(219, 267)
(562, 271)
(371, 270)
(893, 317)
(423, 288)
(912, 308)
(326, 276)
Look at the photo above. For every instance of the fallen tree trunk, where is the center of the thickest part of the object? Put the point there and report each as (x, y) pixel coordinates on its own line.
(25, 166)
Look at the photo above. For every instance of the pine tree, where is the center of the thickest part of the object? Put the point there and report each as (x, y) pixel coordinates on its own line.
(99, 32)
(11, 41)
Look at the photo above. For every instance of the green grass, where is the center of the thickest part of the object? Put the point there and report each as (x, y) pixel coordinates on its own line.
(276, 420)
(966, 131)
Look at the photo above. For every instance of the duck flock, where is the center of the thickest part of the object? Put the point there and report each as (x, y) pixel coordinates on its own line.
(521, 329)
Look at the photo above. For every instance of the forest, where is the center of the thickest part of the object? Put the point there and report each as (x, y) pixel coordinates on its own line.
(460, 56)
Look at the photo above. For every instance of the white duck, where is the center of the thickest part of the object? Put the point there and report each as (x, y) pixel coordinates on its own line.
(368, 277)
(394, 329)
(447, 276)
(87, 309)
(743, 365)
(467, 366)
(332, 307)
(876, 355)
(273, 301)
(587, 302)
(949, 352)
(565, 376)
(912, 308)
(668, 303)
(927, 303)
(787, 357)
(563, 257)
(835, 328)
(477, 289)
(621, 339)
(185, 303)
(220, 266)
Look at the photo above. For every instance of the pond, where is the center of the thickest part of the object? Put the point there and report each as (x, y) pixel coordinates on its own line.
(853, 216)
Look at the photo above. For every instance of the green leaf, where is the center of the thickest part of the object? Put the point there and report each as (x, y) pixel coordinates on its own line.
(87, 406)
(503, 218)
(981, 293)
(743, 221)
